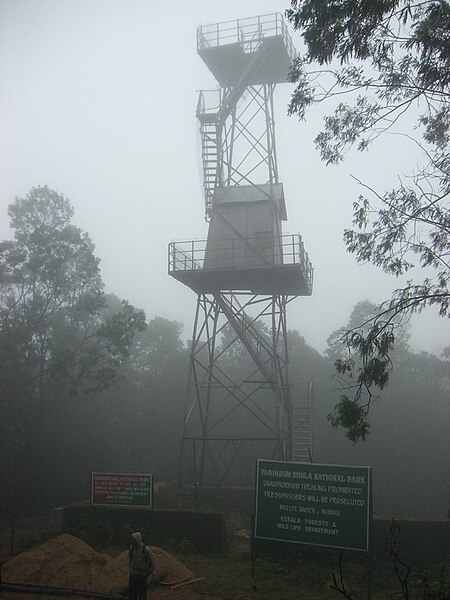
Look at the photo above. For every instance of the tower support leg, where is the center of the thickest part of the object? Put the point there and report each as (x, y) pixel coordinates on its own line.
(237, 404)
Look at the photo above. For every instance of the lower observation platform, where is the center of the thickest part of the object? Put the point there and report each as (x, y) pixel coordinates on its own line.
(285, 269)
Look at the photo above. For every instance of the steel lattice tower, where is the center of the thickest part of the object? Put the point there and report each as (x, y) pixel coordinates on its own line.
(238, 403)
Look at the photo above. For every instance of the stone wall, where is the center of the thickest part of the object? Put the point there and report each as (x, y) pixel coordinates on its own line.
(202, 531)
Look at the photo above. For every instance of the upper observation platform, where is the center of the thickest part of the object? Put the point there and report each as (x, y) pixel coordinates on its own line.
(264, 265)
(229, 48)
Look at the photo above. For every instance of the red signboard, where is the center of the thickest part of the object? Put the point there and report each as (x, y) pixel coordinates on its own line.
(122, 489)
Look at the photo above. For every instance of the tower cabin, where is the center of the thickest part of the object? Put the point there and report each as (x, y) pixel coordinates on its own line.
(245, 250)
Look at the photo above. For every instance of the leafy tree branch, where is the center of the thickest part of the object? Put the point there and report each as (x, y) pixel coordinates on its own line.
(388, 59)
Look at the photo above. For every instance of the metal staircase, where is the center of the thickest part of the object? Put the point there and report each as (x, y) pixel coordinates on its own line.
(302, 430)
(256, 344)
(212, 124)
(210, 154)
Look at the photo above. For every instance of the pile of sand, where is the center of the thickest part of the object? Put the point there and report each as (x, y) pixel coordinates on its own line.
(66, 561)
(173, 569)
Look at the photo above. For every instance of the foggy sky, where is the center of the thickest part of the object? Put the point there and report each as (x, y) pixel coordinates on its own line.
(97, 101)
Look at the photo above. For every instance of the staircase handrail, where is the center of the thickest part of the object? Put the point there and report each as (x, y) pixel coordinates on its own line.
(242, 332)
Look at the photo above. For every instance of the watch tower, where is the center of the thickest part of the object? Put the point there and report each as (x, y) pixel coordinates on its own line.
(245, 273)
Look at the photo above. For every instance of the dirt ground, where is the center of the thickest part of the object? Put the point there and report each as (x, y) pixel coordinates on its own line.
(67, 562)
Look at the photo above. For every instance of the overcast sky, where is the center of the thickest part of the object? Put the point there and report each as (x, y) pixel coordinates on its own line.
(97, 101)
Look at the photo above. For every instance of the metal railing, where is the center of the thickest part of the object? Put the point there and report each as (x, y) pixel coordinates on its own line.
(249, 32)
(209, 103)
(238, 253)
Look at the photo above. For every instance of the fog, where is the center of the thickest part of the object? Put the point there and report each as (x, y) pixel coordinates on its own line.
(97, 101)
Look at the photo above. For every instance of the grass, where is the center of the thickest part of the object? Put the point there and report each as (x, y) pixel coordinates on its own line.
(297, 578)
(304, 576)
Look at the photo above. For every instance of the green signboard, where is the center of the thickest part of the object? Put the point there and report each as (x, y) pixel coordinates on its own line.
(122, 489)
(324, 505)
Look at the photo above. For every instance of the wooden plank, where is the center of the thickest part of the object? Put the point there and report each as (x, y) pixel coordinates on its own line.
(179, 581)
(188, 582)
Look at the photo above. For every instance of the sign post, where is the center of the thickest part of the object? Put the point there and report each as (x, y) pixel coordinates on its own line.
(323, 505)
(122, 489)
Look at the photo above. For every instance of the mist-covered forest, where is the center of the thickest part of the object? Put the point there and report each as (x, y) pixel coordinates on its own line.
(90, 383)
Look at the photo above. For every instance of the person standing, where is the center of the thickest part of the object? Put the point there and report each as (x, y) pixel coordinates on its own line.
(140, 564)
